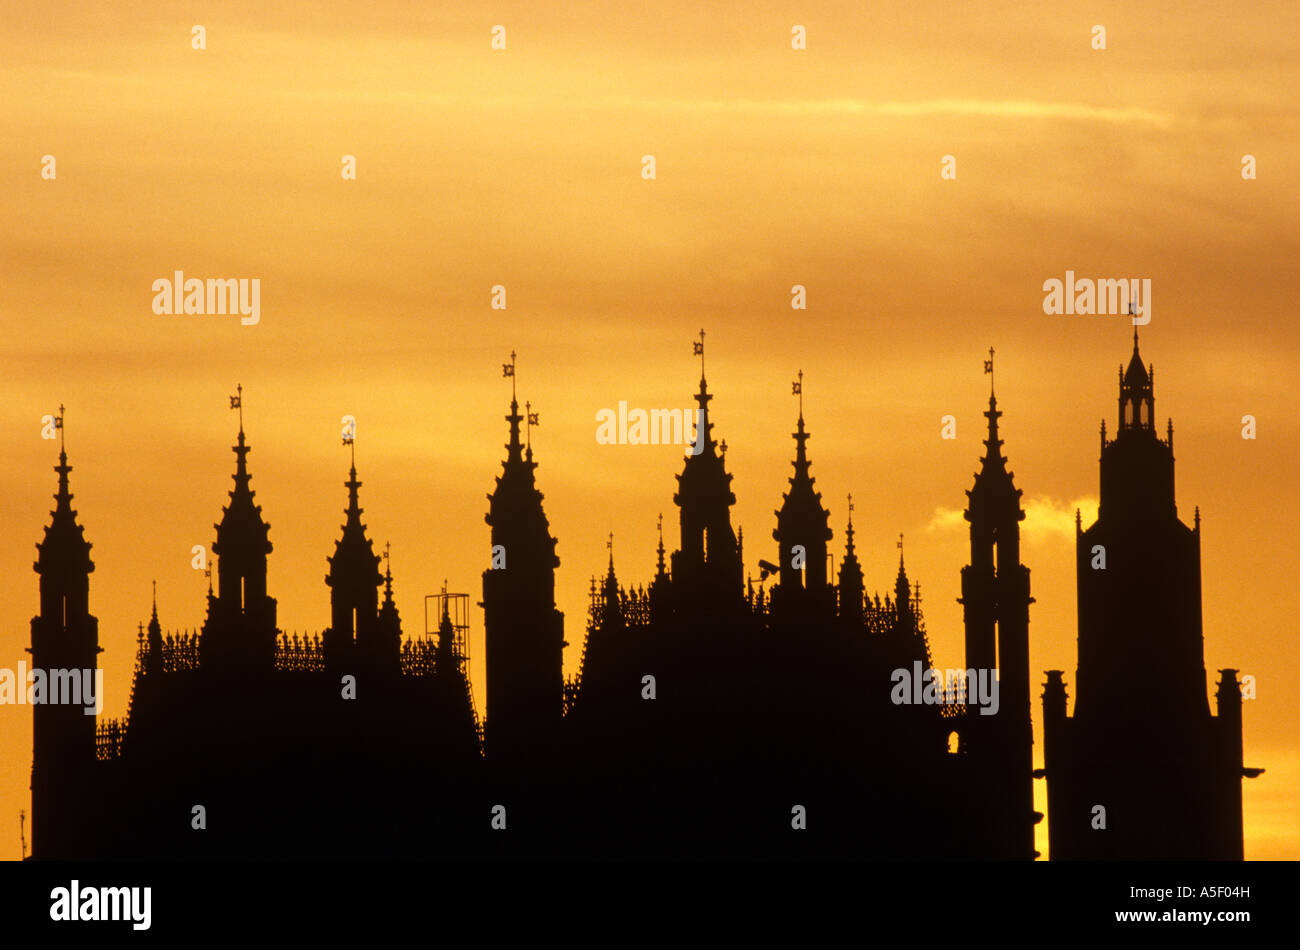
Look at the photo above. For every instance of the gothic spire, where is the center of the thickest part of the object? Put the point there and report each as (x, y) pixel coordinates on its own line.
(902, 589)
(390, 623)
(661, 569)
(705, 498)
(514, 448)
(801, 520)
(153, 642)
(64, 548)
(354, 561)
(515, 511)
(242, 533)
(851, 586)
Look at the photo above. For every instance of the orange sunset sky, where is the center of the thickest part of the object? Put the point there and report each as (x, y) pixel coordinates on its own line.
(522, 167)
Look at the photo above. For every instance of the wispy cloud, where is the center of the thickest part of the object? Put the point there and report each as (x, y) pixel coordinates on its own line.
(1046, 519)
(927, 108)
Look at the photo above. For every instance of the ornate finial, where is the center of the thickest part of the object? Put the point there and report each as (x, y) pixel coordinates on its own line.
(508, 369)
(797, 390)
(58, 424)
(532, 419)
(988, 368)
(350, 440)
(610, 544)
(723, 447)
(900, 550)
(237, 402)
(698, 346)
(661, 526)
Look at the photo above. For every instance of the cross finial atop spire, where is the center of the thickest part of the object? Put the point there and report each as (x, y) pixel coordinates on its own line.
(797, 390)
(58, 424)
(900, 550)
(988, 368)
(699, 351)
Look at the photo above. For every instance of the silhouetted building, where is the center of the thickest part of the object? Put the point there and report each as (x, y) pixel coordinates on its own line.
(1141, 770)
(709, 717)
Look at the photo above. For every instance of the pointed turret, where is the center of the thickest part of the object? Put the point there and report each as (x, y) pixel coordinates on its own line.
(65, 636)
(241, 627)
(390, 622)
(802, 524)
(612, 614)
(1137, 466)
(995, 600)
(153, 641)
(660, 587)
(709, 556)
(1137, 402)
(902, 590)
(354, 581)
(524, 633)
(851, 586)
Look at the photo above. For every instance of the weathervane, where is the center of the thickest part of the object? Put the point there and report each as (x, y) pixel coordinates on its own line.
(237, 402)
(508, 369)
(350, 440)
(533, 419)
